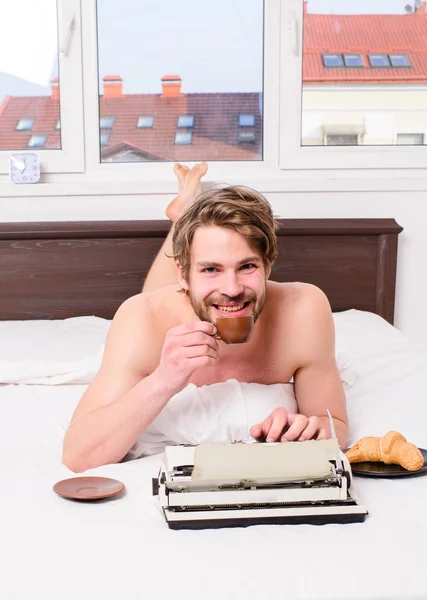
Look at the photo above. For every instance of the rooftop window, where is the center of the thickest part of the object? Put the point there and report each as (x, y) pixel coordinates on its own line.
(246, 120)
(183, 137)
(332, 60)
(103, 139)
(399, 60)
(353, 60)
(379, 60)
(246, 136)
(342, 139)
(58, 125)
(106, 122)
(24, 125)
(37, 141)
(410, 139)
(185, 121)
(145, 122)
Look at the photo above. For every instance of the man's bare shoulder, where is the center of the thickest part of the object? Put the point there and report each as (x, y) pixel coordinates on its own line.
(304, 313)
(298, 296)
(156, 308)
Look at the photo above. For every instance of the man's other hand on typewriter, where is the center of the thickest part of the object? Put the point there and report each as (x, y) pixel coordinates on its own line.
(281, 426)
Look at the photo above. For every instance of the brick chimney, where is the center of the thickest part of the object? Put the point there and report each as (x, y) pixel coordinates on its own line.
(54, 84)
(171, 86)
(113, 86)
(305, 6)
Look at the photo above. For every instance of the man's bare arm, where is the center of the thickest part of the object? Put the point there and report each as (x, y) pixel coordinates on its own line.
(317, 382)
(112, 414)
(138, 376)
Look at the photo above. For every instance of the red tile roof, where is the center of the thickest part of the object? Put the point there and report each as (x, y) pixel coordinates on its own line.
(215, 131)
(45, 111)
(365, 34)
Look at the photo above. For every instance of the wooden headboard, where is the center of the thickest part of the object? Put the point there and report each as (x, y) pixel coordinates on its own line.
(56, 270)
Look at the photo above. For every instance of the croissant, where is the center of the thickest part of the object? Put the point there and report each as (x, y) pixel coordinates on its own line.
(392, 448)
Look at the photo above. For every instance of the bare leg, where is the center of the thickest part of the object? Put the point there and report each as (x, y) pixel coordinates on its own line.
(163, 270)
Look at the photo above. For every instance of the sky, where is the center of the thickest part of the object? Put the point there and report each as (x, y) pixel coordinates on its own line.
(213, 46)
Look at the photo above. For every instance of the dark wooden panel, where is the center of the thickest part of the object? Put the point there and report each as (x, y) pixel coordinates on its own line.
(339, 265)
(58, 270)
(47, 279)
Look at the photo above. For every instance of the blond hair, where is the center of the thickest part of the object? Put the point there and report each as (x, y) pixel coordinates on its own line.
(236, 207)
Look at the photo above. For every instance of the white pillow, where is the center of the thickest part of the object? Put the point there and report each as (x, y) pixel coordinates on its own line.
(52, 352)
(358, 331)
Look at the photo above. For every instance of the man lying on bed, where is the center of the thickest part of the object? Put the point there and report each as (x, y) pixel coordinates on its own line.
(224, 245)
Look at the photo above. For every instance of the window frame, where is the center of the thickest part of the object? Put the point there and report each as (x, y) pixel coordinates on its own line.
(386, 56)
(326, 55)
(393, 55)
(241, 118)
(183, 134)
(180, 126)
(353, 54)
(285, 164)
(152, 117)
(70, 157)
(32, 119)
(294, 156)
(33, 146)
(158, 176)
(110, 123)
(408, 133)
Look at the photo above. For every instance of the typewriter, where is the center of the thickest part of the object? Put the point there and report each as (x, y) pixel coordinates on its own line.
(215, 485)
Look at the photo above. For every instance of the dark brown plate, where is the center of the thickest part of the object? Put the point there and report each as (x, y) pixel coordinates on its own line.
(88, 488)
(379, 469)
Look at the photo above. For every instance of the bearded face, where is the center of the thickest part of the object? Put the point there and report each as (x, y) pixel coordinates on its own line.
(227, 277)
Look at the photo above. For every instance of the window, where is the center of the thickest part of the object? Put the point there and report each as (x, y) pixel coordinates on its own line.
(378, 60)
(166, 61)
(37, 141)
(332, 60)
(41, 79)
(145, 122)
(289, 78)
(341, 139)
(106, 122)
(25, 125)
(360, 109)
(183, 137)
(185, 121)
(353, 60)
(410, 139)
(246, 120)
(399, 60)
(246, 136)
(104, 138)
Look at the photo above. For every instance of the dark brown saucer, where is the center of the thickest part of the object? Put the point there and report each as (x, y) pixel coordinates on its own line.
(88, 488)
(379, 469)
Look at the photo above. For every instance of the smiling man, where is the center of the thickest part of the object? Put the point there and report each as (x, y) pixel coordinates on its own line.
(224, 245)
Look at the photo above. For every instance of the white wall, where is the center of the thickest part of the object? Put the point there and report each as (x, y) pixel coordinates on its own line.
(409, 208)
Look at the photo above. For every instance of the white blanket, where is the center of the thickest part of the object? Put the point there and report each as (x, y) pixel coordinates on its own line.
(121, 548)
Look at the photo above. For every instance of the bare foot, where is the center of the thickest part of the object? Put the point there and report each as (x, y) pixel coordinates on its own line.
(181, 172)
(189, 188)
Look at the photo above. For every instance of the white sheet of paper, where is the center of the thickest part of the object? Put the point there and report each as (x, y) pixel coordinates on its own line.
(291, 460)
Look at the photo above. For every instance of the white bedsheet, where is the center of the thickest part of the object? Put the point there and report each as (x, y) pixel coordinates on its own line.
(121, 548)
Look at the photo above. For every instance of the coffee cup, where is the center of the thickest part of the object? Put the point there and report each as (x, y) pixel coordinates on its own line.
(235, 330)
